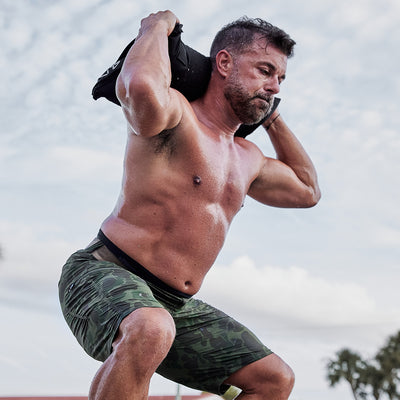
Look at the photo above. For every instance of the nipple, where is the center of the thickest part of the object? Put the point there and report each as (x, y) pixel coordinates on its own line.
(196, 180)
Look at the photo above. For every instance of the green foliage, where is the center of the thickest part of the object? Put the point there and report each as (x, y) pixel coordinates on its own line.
(377, 378)
(388, 359)
(347, 366)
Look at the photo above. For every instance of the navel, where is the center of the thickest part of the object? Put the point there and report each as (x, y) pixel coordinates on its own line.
(196, 180)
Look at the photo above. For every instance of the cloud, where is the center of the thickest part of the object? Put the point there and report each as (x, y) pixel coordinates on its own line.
(80, 163)
(292, 294)
(60, 163)
(32, 255)
(388, 237)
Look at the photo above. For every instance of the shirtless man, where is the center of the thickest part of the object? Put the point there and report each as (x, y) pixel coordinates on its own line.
(128, 296)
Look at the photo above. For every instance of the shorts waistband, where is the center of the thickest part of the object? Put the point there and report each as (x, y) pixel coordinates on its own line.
(133, 266)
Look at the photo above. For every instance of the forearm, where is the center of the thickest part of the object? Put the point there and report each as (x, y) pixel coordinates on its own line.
(290, 151)
(143, 86)
(147, 64)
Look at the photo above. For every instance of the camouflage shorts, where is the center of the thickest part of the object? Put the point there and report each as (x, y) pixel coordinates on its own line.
(209, 346)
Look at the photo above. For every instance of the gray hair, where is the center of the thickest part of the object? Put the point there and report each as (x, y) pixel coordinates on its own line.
(238, 35)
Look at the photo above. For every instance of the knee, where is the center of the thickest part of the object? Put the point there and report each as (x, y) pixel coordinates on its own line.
(269, 377)
(147, 329)
(280, 379)
(284, 378)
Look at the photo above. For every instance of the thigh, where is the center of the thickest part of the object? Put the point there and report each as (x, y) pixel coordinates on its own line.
(209, 347)
(95, 297)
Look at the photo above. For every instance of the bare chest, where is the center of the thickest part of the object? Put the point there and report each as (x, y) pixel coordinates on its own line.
(192, 171)
(219, 173)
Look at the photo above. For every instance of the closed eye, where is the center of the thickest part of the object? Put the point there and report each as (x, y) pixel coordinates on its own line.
(265, 72)
(267, 69)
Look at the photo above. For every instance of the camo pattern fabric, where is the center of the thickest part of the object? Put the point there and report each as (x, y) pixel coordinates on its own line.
(209, 346)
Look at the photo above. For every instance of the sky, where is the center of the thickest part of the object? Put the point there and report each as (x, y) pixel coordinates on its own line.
(307, 282)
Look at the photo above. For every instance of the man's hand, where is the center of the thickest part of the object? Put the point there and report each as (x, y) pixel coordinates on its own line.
(157, 19)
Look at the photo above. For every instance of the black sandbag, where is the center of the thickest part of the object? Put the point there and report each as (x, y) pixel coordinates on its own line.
(191, 72)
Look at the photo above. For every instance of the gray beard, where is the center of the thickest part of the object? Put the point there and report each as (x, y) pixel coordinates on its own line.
(244, 105)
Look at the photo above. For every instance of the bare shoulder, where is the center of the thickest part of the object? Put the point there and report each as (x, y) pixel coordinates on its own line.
(251, 158)
(147, 114)
(246, 144)
(170, 139)
(250, 149)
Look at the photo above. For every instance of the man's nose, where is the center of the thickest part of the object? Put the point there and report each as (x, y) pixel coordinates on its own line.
(273, 85)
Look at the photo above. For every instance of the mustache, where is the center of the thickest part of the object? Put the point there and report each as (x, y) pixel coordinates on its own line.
(269, 99)
(265, 97)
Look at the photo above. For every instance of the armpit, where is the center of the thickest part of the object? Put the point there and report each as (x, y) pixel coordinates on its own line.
(165, 142)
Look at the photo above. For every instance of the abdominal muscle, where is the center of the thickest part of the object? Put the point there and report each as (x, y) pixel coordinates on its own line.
(177, 203)
(174, 231)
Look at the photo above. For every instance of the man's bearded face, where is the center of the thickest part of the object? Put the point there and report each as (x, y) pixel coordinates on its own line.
(250, 108)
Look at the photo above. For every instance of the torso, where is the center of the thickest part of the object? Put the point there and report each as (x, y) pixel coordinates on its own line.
(180, 192)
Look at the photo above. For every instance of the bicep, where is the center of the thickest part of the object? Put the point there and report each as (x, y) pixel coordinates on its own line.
(277, 185)
(150, 109)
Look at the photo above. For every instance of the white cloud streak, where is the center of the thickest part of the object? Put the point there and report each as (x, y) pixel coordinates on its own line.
(291, 294)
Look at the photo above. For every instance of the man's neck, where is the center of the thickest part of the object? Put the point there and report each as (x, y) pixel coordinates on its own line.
(214, 111)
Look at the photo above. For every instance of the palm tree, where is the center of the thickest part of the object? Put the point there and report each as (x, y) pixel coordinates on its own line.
(347, 366)
(374, 377)
(388, 359)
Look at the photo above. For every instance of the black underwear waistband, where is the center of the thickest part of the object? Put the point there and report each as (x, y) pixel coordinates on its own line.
(133, 266)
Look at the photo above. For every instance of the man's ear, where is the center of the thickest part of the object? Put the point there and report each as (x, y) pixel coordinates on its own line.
(223, 62)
